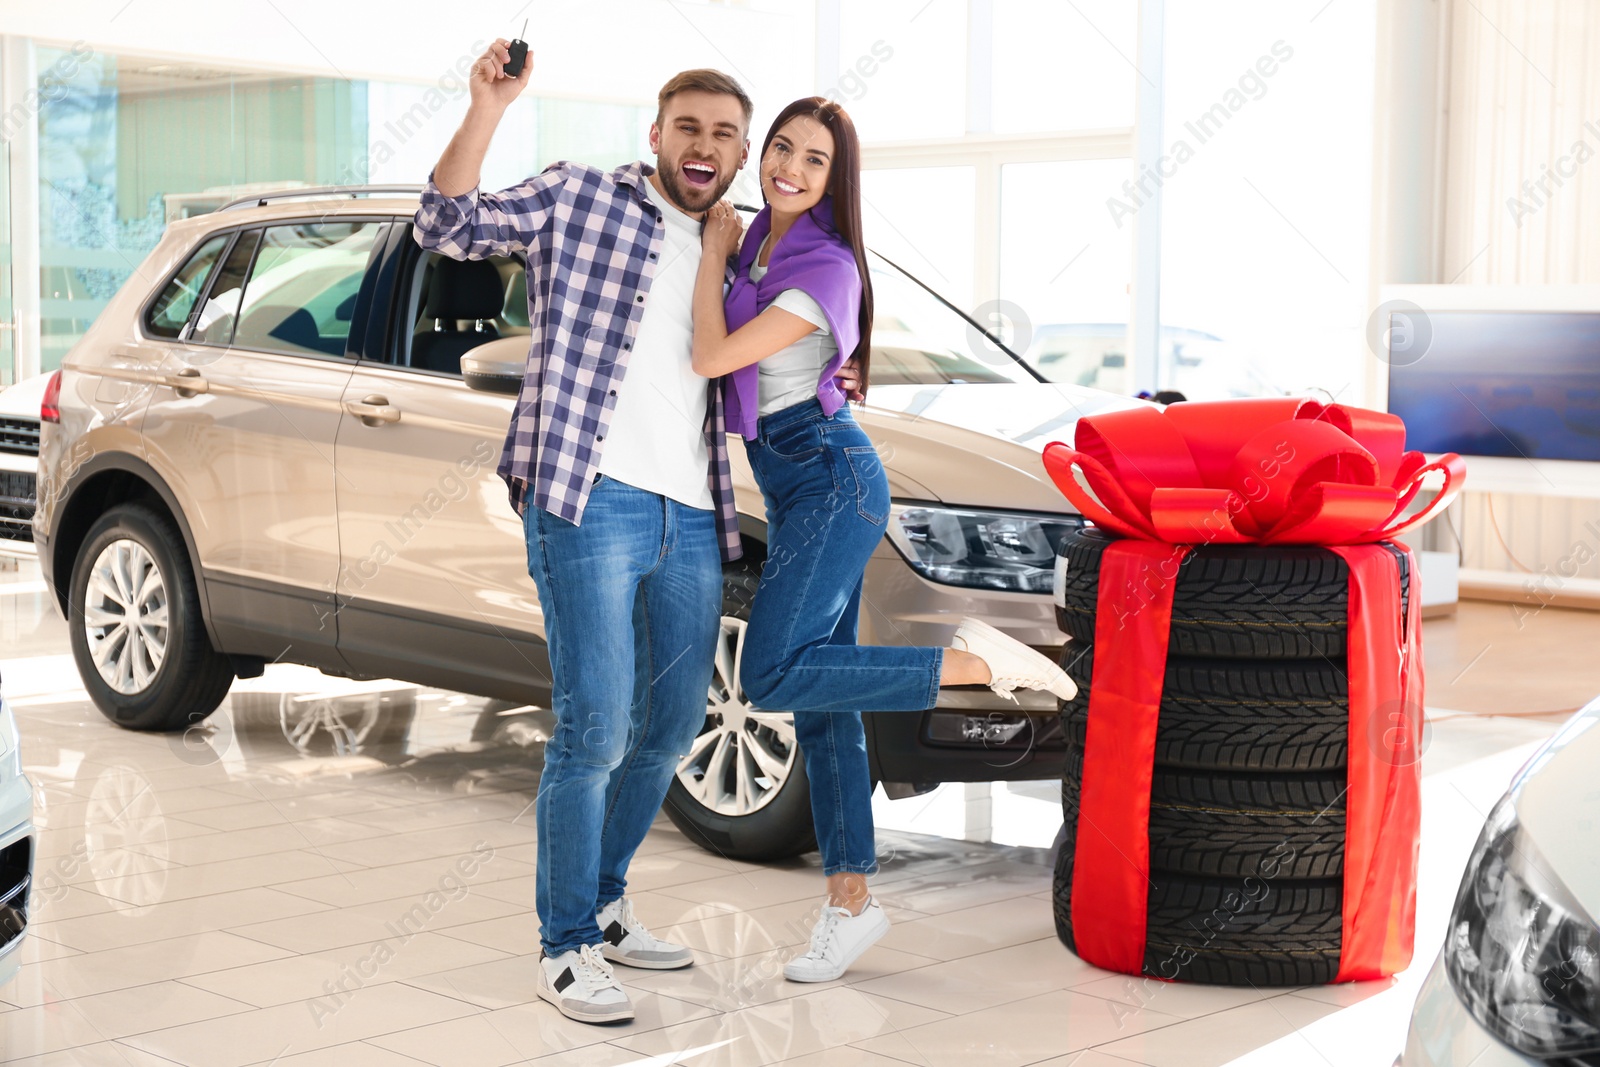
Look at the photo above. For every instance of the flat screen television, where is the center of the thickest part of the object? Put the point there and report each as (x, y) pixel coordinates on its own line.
(1522, 383)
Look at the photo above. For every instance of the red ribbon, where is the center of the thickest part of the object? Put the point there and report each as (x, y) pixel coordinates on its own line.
(1272, 471)
(1130, 646)
(1383, 807)
(1269, 471)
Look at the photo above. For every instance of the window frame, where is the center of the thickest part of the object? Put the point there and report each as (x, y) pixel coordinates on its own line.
(364, 292)
(141, 320)
(187, 337)
(403, 259)
(358, 317)
(987, 152)
(146, 330)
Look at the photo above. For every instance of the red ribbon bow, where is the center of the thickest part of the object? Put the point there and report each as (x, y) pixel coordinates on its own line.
(1273, 471)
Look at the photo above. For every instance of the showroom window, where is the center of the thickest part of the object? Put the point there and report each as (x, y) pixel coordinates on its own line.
(1065, 270)
(128, 144)
(1063, 66)
(922, 219)
(1265, 217)
(1039, 241)
(902, 70)
(990, 143)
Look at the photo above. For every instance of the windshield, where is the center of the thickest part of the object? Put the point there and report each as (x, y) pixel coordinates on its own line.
(918, 340)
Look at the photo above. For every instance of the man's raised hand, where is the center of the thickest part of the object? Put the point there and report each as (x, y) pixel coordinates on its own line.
(490, 85)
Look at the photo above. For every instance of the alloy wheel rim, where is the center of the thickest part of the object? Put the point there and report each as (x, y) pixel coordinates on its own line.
(125, 834)
(306, 718)
(125, 616)
(742, 759)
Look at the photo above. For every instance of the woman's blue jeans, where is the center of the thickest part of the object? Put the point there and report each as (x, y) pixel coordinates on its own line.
(632, 601)
(827, 502)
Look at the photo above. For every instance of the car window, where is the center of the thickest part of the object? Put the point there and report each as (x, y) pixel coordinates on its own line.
(213, 323)
(916, 340)
(301, 293)
(450, 307)
(170, 312)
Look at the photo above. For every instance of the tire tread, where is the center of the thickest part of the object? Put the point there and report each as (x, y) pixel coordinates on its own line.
(1235, 715)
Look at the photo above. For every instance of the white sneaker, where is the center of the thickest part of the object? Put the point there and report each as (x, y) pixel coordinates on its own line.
(581, 986)
(837, 941)
(628, 942)
(1012, 664)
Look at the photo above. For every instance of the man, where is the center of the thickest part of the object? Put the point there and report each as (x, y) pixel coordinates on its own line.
(616, 459)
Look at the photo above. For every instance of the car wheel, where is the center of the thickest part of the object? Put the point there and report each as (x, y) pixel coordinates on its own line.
(136, 627)
(1233, 601)
(742, 792)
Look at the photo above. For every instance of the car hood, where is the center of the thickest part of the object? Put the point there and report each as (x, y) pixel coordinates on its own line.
(24, 397)
(1558, 804)
(978, 444)
(1031, 414)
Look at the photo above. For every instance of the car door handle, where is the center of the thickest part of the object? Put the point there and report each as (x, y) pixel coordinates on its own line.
(187, 382)
(373, 410)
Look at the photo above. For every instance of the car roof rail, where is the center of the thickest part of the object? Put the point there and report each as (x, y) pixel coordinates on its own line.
(320, 191)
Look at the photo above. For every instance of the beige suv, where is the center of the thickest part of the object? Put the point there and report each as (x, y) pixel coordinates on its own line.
(265, 450)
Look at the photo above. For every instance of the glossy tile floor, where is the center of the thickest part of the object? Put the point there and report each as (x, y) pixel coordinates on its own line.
(283, 887)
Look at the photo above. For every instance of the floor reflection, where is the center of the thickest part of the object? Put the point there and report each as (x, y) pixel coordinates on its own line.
(197, 895)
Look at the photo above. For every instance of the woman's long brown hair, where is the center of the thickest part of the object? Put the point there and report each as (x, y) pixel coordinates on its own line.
(844, 185)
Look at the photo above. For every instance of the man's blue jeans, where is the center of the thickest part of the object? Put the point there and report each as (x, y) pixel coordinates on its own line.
(632, 600)
(827, 502)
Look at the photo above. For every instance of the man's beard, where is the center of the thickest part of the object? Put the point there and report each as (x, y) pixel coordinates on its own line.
(689, 199)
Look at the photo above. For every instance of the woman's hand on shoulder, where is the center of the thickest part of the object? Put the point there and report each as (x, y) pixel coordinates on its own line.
(723, 228)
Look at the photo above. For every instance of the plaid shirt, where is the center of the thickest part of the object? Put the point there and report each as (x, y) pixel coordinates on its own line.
(593, 241)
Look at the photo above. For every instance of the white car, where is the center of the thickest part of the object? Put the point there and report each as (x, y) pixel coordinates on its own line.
(1518, 980)
(19, 462)
(16, 846)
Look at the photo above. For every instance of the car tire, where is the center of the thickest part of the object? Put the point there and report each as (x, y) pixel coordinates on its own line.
(1256, 928)
(780, 826)
(1235, 715)
(1203, 829)
(191, 677)
(1232, 601)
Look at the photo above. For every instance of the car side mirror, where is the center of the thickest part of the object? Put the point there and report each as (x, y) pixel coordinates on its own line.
(496, 367)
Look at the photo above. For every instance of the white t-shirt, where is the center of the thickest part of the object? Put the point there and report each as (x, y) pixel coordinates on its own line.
(790, 375)
(656, 441)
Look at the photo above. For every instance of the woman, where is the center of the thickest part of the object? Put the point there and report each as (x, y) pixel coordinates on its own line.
(801, 303)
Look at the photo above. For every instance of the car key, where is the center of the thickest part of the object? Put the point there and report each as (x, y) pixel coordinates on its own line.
(519, 54)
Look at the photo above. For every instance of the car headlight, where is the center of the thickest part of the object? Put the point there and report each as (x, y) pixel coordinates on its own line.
(1522, 954)
(979, 549)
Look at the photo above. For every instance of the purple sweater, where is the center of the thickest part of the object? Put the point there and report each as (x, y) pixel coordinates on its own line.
(813, 258)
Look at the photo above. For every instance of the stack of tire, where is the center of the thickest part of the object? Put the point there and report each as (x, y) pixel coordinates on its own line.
(1247, 816)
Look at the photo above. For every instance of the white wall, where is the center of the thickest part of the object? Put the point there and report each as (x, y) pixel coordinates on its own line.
(1524, 107)
(1514, 105)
